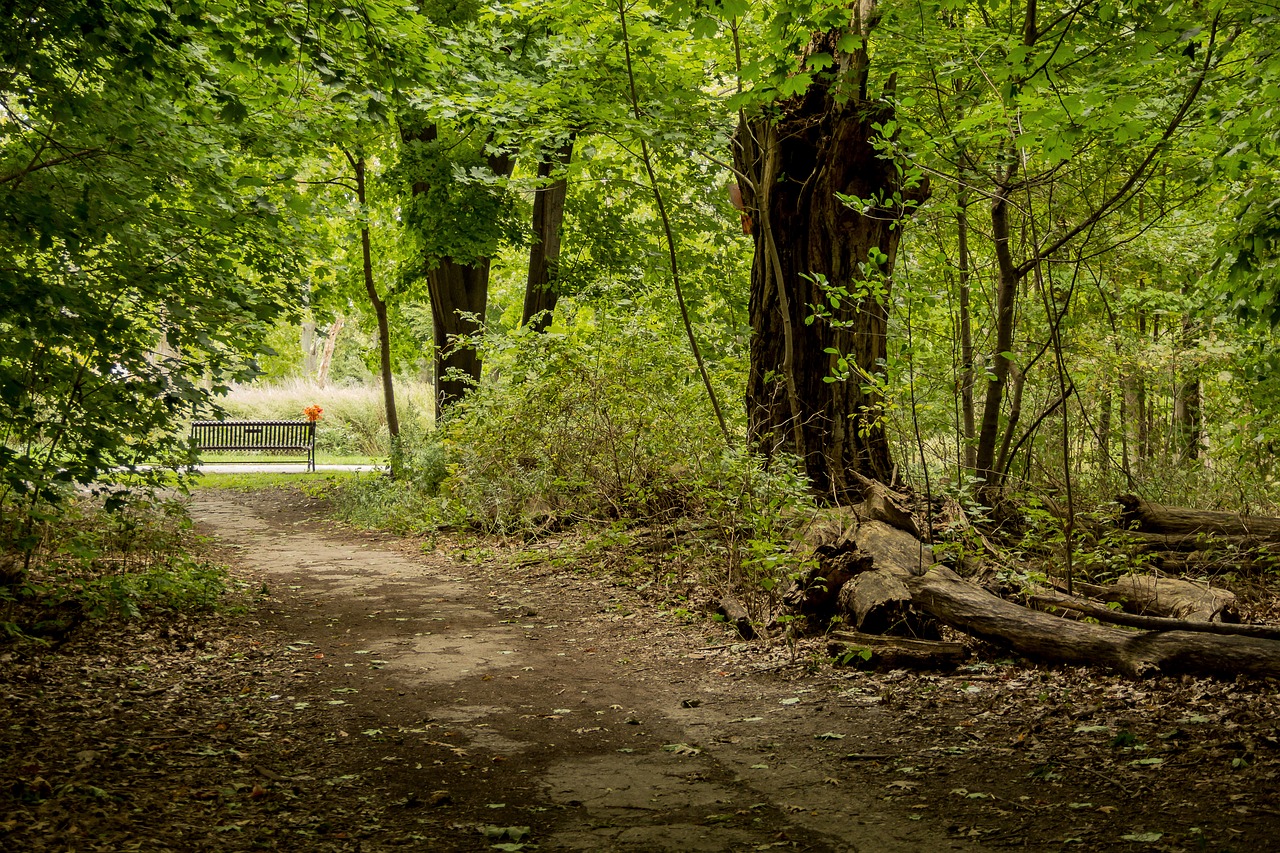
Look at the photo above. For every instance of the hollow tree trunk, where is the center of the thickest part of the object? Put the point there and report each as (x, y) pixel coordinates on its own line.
(791, 166)
(541, 287)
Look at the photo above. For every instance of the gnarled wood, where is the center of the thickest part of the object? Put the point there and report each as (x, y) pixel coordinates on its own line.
(1051, 600)
(1174, 598)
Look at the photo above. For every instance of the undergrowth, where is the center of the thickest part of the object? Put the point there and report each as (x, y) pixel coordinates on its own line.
(133, 560)
(600, 430)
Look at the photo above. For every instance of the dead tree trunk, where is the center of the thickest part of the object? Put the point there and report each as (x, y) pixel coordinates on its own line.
(1149, 517)
(821, 274)
(975, 611)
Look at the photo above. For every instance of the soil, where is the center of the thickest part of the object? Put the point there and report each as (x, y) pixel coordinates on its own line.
(370, 693)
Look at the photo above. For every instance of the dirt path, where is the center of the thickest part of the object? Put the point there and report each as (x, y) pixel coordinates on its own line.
(503, 701)
(362, 694)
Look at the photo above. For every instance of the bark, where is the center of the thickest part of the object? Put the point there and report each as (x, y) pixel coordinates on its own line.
(966, 335)
(1187, 542)
(459, 298)
(307, 340)
(1171, 646)
(1040, 636)
(1007, 279)
(1187, 418)
(541, 285)
(330, 344)
(1149, 517)
(736, 614)
(895, 652)
(791, 166)
(459, 295)
(1104, 432)
(1173, 598)
(877, 602)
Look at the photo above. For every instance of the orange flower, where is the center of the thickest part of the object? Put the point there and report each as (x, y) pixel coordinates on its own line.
(313, 413)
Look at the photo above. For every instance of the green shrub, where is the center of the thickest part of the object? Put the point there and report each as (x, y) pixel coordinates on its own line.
(119, 557)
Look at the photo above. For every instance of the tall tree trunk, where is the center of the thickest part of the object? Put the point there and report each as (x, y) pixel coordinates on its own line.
(459, 298)
(541, 286)
(808, 245)
(966, 333)
(1007, 279)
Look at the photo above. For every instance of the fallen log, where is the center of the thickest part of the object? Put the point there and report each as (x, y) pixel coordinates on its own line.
(1153, 623)
(1174, 598)
(1149, 517)
(858, 649)
(1191, 542)
(877, 602)
(969, 608)
(736, 614)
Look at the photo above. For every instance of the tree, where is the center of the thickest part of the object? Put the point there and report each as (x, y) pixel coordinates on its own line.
(826, 207)
(144, 231)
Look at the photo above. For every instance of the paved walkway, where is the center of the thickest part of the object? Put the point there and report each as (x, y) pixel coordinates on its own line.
(277, 468)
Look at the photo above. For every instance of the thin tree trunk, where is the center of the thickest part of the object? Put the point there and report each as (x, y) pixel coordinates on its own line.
(1104, 430)
(330, 344)
(542, 286)
(379, 307)
(1186, 404)
(966, 334)
(1006, 303)
(307, 340)
(1143, 444)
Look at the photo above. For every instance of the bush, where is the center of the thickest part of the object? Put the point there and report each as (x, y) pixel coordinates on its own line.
(601, 420)
(123, 557)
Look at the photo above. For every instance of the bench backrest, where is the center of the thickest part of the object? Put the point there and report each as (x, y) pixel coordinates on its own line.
(253, 435)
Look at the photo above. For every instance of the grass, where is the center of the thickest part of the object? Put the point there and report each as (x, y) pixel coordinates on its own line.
(268, 458)
(248, 482)
(353, 423)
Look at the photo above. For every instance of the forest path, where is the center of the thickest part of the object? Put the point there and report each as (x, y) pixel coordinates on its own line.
(487, 699)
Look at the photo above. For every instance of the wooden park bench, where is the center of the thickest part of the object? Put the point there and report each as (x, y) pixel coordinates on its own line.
(275, 437)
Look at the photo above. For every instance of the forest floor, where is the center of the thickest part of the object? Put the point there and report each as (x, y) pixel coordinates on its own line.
(368, 693)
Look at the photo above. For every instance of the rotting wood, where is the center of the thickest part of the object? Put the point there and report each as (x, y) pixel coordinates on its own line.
(736, 614)
(1174, 598)
(878, 602)
(879, 503)
(1041, 636)
(1153, 623)
(1149, 517)
(891, 652)
(1189, 542)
